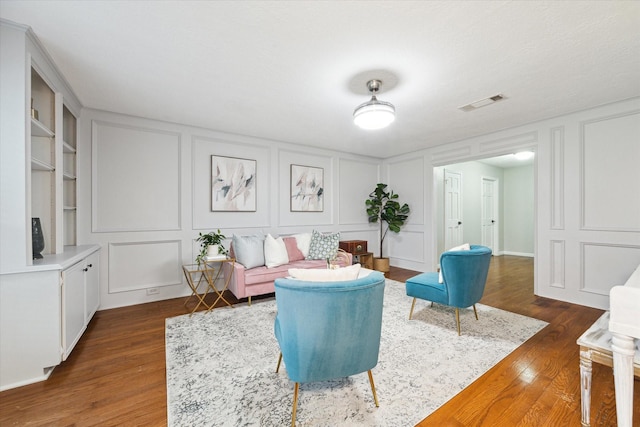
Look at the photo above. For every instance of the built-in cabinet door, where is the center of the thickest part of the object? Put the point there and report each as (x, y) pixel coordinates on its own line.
(73, 306)
(92, 285)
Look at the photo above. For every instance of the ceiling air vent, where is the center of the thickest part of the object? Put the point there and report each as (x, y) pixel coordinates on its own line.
(483, 102)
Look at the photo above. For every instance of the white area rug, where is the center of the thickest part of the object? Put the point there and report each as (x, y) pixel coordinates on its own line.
(221, 366)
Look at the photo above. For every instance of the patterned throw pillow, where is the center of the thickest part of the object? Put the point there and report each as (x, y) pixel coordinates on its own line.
(323, 246)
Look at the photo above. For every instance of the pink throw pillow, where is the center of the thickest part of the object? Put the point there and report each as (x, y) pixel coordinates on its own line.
(292, 249)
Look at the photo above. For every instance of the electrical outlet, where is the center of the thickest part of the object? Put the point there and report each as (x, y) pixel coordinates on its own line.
(153, 291)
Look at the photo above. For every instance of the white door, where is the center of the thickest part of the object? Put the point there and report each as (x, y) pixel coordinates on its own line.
(489, 219)
(452, 209)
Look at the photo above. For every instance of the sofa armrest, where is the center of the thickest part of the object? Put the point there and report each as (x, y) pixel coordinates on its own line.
(236, 281)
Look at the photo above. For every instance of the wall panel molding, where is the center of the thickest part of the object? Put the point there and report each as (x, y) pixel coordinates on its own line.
(140, 265)
(122, 198)
(604, 265)
(405, 246)
(608, 163)
(557, 263)
(510, 142)
(202, 148)
(557, 178)
(450, 156)
(350, 211)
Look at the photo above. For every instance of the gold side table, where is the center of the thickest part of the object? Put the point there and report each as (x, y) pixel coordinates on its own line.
(202, 278)
(213, 268)
(196, 278)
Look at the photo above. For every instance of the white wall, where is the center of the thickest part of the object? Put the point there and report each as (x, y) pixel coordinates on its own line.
(144, 195)
(472, 174)
(518, 217)
(587, 199)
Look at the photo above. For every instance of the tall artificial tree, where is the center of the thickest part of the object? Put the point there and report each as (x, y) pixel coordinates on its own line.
(383, 207)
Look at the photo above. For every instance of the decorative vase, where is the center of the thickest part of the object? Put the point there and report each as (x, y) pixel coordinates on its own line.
(212, 251)
(381, 264)
(37, 238)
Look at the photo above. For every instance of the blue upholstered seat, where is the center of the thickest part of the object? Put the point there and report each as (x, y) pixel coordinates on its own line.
(464, 276)
(329, 330)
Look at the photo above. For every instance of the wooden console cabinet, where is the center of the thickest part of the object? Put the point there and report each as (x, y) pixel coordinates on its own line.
(358, 250)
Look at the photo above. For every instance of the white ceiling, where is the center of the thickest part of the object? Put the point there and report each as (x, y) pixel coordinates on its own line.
(294, 70)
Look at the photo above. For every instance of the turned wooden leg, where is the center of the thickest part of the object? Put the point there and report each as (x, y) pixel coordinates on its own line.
(585, 386)
(623, 350)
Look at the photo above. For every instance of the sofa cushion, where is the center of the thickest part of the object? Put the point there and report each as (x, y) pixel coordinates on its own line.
(263, 274)
(323, 246)
(326, 275)
(293, 252)
(249, 250)
(275, 252)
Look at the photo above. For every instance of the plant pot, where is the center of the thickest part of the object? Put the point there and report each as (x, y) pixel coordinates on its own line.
(381, 264)
(212, 251)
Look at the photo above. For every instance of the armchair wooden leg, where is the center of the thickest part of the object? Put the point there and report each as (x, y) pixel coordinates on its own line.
(249, 301)
(279, 361)
(295, 405)
(373, 389)
(458, 320)
(475, 311)
(413, 304)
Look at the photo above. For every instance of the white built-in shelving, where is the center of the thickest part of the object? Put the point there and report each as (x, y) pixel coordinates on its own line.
(46, 303)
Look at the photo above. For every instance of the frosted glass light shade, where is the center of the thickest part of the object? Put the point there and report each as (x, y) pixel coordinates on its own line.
(374, 114)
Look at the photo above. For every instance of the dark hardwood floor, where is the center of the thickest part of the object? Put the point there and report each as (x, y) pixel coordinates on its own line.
(116, 374)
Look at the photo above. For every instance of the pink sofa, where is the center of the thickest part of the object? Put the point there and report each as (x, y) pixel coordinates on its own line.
(245, 283)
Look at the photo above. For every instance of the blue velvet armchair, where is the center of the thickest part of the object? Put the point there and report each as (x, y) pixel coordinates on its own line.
(464, 275)
(328, 330)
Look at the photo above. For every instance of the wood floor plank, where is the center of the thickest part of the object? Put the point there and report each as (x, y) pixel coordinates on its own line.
(116, 374)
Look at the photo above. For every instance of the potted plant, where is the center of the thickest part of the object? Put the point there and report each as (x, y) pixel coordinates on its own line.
(383, 207)
(210, 245)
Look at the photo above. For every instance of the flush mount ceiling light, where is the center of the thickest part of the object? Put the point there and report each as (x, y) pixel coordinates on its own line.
(524, 155)
(374, 114)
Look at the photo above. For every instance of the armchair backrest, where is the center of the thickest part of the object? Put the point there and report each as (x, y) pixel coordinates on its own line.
(465, 274)
(329, 329)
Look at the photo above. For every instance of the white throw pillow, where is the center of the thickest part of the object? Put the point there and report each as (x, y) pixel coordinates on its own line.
(326, 275)
(275, 252)
(463, 247)
(303, 241)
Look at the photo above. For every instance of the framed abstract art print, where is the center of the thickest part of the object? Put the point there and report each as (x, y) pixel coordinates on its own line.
(307, 189)
(233, 184)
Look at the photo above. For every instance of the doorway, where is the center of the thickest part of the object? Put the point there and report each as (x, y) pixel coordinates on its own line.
(495, 202)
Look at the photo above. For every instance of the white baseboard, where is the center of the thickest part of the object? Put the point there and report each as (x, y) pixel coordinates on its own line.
(517, 254)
